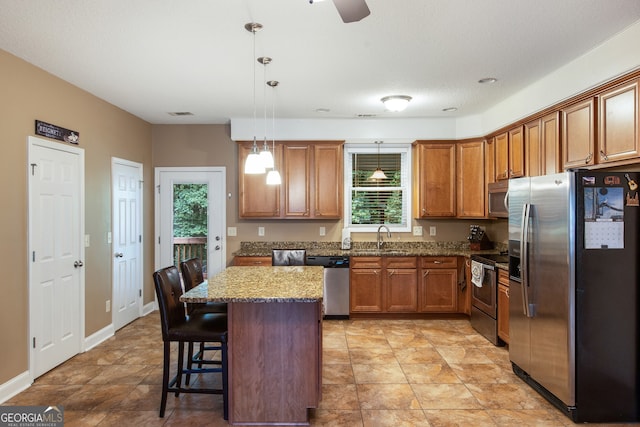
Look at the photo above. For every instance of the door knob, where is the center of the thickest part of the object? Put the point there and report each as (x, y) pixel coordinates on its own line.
(77, 264)
(119, 254)
(217, 247)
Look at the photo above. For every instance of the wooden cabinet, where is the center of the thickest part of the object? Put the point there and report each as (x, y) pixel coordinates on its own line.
(471, 190)
(434, 180)
(438, 292)
(502, 156)
(400, 284)
(365, 289)
(509, 148)
(383, 285)
(252, 261)
(516, 152)
(503, 305)
(542, 145)
(256, 198)
(578, 134)
(312, 183)
(618, 118)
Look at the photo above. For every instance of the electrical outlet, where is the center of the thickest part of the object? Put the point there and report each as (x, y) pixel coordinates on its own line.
(260, 231)
(232, 231)
(108, 306)
(432, 230)
(417, 230)
(323, 231)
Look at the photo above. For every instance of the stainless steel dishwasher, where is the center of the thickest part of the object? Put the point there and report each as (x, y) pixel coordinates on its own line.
(336, 285)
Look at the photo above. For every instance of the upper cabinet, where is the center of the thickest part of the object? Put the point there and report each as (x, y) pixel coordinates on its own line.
(502, 156)
(312, 184)
(509, 148)
(542, 145)
(618, 123)
(470, 166)
(578, 134)
(434, 179)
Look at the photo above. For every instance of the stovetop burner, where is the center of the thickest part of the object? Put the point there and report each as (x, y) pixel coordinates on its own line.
(491, 259)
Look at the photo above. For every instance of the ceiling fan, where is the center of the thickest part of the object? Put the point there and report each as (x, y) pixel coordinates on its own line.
(351, 10)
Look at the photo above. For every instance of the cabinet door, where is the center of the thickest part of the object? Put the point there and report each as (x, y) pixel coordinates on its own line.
(438, 291)
(489, 170)
(578, 134)
(297, 168)
(366, 290)
(436, 180)
(401, 286)
(328, 182)
(618, 123)
(470, 187)
(550, 144)
(502, 156)
(503, 312)
(257, 199)
(533, 148)
(516, 152)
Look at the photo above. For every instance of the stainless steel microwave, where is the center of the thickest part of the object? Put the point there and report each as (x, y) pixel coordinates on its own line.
(498, 199)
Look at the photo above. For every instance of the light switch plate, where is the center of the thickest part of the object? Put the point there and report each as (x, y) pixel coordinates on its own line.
(87, 240)
(432, 230)
(323, 231)
(260, 231)
(417, 230)
(232, 231)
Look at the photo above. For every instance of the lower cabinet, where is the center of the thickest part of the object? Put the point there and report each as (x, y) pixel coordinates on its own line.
(503, 305)
(438, 285)
(404, 285)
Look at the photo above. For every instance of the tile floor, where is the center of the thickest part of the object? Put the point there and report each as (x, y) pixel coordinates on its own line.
(375, 373)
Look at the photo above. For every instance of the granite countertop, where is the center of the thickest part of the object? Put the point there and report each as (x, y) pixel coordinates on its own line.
(366, 249)
(260, 285)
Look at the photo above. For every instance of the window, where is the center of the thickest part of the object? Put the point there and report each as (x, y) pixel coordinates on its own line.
(370, 203)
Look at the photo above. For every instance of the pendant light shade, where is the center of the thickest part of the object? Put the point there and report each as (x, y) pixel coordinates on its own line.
(253, 164)
(273, 177)
(378, 174)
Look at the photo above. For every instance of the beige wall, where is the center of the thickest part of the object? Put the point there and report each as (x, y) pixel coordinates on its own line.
(29, 93)
(210, 145)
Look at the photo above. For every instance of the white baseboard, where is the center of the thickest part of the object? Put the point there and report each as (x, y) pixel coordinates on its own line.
(14, 386)
(149, 308)
(99, 337)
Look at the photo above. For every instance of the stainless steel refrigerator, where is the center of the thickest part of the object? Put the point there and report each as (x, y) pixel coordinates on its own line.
(574, 268)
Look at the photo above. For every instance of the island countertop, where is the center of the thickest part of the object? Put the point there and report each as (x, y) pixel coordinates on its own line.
(260, 285)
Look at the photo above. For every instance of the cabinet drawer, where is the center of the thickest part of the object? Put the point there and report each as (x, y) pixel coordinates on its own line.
(438, 262)
(366, 262)
(245, 261)
(503, 277)
(400, 262)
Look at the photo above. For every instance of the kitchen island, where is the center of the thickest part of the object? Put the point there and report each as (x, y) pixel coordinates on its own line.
(275, 340)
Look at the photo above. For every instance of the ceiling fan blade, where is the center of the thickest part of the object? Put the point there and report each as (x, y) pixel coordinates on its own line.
(352, 10)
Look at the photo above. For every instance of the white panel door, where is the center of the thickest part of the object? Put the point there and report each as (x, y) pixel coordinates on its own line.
(170, 228)
(127, 241)
(56, 273)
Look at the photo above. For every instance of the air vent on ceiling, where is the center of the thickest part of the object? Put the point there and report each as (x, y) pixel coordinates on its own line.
(181, 113)
(366, 115)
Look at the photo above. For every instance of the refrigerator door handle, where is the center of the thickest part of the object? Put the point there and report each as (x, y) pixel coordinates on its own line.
(524, 257)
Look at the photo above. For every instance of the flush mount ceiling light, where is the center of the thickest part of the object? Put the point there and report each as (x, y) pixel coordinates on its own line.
(487, 80)
(253, 164)
(396, 102)
(378, 173)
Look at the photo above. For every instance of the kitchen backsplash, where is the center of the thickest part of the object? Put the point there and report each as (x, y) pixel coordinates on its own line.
(249, 247)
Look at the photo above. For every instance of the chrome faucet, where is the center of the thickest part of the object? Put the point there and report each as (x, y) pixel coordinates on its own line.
(380, 238)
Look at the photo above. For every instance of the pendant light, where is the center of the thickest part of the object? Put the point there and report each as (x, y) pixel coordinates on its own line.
(253, 164)
(273, 176)
(265, 155)
(378, 173)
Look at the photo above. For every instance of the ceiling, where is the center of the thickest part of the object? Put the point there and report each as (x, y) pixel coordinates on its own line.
(154, 57)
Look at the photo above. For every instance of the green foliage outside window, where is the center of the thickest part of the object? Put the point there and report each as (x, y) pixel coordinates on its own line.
(190, 204)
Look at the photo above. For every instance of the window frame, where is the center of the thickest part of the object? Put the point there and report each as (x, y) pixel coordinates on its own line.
(405, 150)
